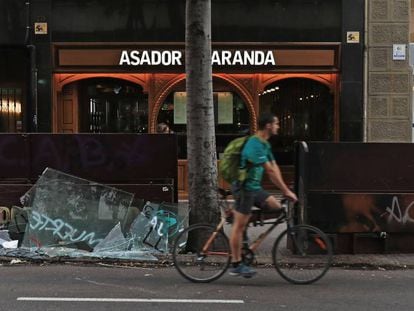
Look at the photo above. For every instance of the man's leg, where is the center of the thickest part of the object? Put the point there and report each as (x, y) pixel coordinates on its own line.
(239, 268)
(239, 224)
(244, 203)
(272, 203)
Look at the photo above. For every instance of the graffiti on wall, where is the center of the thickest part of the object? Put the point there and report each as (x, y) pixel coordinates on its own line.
(399, 213)
(362, 212)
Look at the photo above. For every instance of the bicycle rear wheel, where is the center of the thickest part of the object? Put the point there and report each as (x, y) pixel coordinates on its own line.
(302, 254)
(199, 256)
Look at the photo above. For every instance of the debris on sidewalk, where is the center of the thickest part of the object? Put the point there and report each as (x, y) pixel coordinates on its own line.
(5, 241)
(16, 261)
(67, 216)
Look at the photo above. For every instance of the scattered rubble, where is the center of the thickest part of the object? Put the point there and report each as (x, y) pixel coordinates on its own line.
(66, 216)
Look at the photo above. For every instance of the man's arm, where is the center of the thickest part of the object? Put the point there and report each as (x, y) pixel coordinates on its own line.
(273, 171)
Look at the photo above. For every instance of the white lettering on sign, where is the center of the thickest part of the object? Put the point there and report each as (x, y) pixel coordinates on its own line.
(398, 214)
(150, 58)
(243, 58)
(218, 58)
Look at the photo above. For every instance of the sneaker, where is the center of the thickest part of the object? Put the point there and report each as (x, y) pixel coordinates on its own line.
(242, 270)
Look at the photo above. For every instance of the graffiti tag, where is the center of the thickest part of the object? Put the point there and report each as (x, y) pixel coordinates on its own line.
(164, 224)
(154, 222)
(61, 229)
(395, 212)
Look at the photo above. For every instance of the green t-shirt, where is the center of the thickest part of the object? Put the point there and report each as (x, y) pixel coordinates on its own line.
(255, 153)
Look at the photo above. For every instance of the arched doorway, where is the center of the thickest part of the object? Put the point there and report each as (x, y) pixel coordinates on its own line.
(104, 105)
(306, 111)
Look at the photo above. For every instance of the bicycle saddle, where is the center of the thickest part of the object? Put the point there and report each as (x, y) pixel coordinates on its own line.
(224, 192)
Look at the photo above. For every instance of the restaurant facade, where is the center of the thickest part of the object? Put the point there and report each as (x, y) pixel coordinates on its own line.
(325, 67)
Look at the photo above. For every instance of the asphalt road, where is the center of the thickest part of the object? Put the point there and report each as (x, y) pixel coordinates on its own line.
(61, 287)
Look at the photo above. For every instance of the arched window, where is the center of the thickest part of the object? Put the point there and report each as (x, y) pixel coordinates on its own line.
(306, 112)
(110, 105)
(230, 110)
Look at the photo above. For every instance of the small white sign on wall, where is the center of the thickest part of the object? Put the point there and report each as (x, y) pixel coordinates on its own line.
(399, 51)
(40, 28)
(352, 37)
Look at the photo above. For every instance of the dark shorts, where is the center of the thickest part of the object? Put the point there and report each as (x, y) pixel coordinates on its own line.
(245, 200)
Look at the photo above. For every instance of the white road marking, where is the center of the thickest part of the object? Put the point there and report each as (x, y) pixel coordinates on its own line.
(73, 299)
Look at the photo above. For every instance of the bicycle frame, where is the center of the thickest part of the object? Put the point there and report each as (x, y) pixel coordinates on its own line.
(213, 236)
(256, 243)
(292, 254)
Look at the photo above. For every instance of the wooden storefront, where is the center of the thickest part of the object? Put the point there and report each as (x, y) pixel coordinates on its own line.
(74, 63)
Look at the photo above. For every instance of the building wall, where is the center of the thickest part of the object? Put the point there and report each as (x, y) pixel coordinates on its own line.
(163, 21)
(352, 72)
(412, 57)
(412, 22)
(389, 86)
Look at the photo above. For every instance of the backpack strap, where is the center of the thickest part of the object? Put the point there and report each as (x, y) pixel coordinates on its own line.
(242, 148)
(249, 165)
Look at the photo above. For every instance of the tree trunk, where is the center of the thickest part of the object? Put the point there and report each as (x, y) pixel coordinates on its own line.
(201, 140)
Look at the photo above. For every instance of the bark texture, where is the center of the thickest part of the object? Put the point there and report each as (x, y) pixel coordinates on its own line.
(201, 142)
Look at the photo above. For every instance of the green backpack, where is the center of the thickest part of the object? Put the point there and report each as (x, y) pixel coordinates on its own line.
(229, 166)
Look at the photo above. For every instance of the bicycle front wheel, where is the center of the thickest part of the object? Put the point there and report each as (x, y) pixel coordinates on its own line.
(302, 254)
(201, 254)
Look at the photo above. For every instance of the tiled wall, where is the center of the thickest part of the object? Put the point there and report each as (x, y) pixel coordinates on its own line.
(389, 109)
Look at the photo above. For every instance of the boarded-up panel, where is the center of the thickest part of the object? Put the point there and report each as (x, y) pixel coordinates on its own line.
(145, 164)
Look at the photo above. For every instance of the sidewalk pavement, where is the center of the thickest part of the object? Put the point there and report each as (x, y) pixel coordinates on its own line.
(360, 261)
(263, 256)
(356, 261)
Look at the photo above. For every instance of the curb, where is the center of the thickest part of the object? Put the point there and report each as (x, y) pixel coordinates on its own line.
(362, 262)
(367, 262)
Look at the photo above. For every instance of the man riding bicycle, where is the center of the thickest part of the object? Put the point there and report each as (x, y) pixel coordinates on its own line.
(257, 156)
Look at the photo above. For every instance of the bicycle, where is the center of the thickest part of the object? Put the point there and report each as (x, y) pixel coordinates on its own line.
(301, 254)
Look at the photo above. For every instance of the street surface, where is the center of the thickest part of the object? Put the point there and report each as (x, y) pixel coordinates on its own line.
(80, 287)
